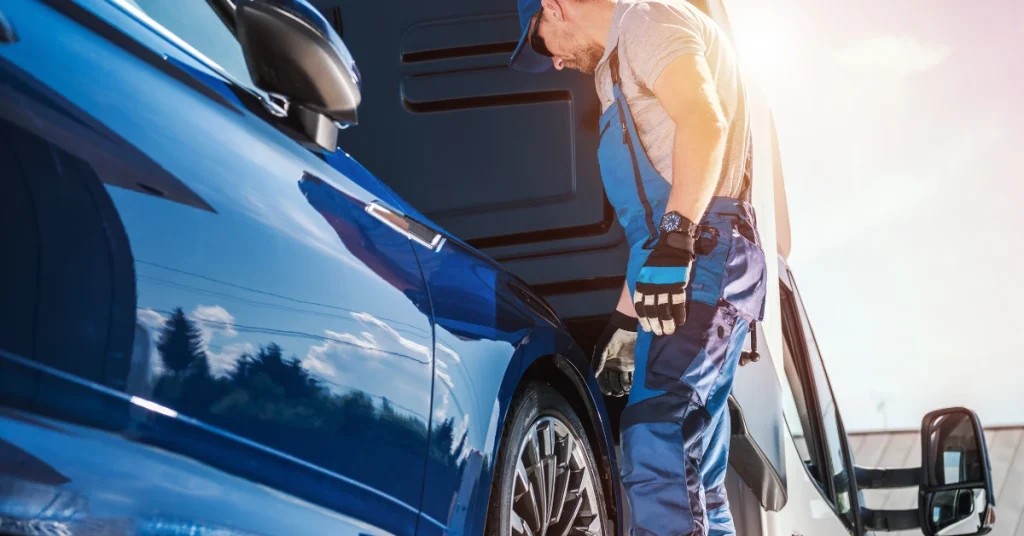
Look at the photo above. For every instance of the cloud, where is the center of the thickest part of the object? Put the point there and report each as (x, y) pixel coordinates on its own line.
(411, 348)
(319, 357)
(151, 320)
(894, 54)
(223, 361)
(344, 360)
(320, 367)
(212, 319)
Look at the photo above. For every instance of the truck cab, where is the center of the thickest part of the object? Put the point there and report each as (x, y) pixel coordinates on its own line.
(446, 124)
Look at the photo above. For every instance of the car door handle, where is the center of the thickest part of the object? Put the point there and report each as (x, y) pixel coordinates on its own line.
(412, 229)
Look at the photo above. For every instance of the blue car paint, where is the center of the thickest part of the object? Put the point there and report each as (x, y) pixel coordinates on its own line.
(470, 334)
(275, 229)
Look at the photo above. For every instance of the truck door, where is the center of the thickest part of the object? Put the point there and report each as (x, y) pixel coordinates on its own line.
(822, 491)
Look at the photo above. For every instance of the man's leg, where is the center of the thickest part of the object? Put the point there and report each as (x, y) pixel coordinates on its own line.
(716, 447)
(713, 469)
(661, 450)
(663, 442)
(674, 446)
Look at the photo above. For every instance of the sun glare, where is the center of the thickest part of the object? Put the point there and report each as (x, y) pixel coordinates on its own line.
(765, 43)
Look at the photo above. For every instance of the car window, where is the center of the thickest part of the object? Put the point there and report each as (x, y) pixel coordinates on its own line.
(804, 342)
(796, 406)
(196, 23)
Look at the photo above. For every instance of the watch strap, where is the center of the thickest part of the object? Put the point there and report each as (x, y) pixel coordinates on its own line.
(680, 241)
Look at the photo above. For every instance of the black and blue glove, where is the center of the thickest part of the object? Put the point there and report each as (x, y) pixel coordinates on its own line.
(660, 298)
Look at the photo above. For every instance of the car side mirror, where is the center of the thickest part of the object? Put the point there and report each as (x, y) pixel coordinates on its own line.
(956, 478)
(292, 51)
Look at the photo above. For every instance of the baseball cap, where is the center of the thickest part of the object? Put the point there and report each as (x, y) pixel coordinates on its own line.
(525, 58)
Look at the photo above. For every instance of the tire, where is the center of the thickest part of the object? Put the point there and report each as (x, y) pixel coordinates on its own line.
(538, 419)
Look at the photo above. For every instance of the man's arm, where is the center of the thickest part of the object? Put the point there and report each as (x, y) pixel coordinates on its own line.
(625, 305)
(687, 92)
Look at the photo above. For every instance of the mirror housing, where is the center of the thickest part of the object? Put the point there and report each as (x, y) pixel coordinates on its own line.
(956, 478)
(292, 51)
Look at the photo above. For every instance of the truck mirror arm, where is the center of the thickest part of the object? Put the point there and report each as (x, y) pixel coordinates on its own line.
(890, 520)
(873, 478)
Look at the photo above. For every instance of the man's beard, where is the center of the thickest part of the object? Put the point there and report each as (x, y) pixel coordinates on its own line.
(587, 59)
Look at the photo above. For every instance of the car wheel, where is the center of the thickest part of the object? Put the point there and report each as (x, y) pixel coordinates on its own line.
(546, 477)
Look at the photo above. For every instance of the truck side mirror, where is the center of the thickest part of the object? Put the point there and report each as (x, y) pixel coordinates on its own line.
(956, 479)
(292, 51)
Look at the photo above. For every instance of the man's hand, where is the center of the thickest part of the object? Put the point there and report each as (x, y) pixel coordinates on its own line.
(614, 359)
(660, 300)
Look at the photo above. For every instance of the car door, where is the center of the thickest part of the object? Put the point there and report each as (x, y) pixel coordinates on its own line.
(822, 492)
(184, 254)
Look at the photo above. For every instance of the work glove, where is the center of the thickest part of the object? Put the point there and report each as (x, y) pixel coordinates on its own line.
(614, 361)
(660, 298)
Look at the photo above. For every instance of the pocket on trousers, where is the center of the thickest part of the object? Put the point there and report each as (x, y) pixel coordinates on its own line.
(689, 360)
(745, 277)
(708, 269)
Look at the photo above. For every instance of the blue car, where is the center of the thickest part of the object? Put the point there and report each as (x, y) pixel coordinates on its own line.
(216, 321)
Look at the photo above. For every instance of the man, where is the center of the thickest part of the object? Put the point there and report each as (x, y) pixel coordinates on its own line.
(673, 154)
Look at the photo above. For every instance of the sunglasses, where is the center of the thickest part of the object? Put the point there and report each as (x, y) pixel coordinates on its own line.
(536, 41)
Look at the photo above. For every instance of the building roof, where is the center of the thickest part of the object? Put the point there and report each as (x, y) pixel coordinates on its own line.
(903, 449)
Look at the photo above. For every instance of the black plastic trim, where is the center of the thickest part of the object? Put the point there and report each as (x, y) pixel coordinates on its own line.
(752, 465)
(548, 235)
(871, 478)
(459, 52)
(890, 520)
(579, 285)
(486, 101)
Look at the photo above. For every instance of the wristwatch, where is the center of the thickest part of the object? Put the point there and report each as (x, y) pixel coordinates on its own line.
(674, 222)
(678, 232)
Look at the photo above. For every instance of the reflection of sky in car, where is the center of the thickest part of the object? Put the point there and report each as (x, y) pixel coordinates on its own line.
(316, 317)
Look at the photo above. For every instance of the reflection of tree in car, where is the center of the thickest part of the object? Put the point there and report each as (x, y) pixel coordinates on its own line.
(273, 399)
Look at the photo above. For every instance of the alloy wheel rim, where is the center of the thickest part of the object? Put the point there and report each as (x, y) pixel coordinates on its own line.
(555, 492)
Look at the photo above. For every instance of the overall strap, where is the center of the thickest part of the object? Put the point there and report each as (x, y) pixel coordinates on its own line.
(613, 66)
(748, 172)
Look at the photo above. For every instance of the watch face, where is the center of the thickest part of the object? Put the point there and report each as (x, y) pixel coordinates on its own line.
(670, 223)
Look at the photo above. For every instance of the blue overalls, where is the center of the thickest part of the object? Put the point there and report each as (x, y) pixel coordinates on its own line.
(675, 428)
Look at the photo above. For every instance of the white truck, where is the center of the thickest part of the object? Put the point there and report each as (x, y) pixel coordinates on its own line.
(547, 220)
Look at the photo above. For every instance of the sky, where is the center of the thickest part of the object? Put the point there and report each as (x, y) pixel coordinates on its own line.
(900, 134)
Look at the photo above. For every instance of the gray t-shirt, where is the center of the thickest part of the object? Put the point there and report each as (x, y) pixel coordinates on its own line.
(649, 35)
